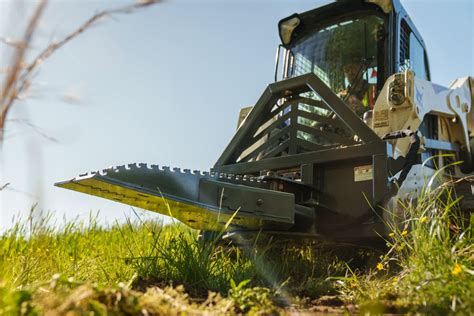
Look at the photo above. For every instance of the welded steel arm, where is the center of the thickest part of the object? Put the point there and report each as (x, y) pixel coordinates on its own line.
(406, 101)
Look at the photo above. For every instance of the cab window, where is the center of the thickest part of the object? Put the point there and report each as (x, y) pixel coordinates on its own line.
(412, 53)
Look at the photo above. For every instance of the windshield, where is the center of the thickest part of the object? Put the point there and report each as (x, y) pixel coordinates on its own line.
(345, 56)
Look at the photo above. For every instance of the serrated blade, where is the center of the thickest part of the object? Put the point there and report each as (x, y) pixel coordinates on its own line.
(169, 192)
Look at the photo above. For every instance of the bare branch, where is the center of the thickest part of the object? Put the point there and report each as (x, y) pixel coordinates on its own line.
(46, 53)
(8, 187)
(35, 128)
(11, 42)
(19, 78)
(9, 91)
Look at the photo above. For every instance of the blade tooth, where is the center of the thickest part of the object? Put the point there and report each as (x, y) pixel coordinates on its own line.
(120, 168)
(107, 170)
(136, 165)
(102, 172)
(197, 172)
(187, 171)
(177, 170)
(252, 179)
(154, 167)
(142, 165)
(166, 168)
(214, 174)
(205, 173)
(238, 177)
(83, 174)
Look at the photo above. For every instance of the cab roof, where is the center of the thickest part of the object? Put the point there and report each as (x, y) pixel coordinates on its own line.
(310, 20)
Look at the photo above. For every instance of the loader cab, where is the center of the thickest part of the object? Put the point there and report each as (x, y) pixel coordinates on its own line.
(410, 50)
(353, 46)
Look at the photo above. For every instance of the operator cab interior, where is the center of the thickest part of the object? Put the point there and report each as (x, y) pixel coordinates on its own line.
(346, 56)
(353, 46)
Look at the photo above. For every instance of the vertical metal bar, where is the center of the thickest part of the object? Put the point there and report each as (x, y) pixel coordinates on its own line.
(380, 177)
(277, 59)
(294, 132)
(286, 60)
(291, 63)
(307, 173)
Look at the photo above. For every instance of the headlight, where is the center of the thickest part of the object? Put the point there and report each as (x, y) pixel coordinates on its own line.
(396, 94)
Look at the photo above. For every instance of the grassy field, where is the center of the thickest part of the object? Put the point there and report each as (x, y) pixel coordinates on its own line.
(147, 268)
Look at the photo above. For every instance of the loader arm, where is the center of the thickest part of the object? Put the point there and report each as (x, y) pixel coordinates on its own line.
(406, 101)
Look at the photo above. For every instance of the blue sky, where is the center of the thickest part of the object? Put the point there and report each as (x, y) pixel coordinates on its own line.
(163, 86)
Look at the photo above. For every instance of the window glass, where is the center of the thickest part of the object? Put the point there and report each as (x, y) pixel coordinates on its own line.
(344, 56)
(417, 58)
(412, 54)
(404, 63)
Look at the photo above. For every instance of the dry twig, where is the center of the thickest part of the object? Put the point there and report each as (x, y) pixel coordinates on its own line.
(4, 186)
(11, 42)
(10, 87)
(18, 77)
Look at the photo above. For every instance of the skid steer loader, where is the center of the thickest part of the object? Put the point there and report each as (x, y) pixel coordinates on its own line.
(353, 126)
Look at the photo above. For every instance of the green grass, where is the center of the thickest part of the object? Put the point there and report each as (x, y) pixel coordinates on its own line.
(138, 255)
(144, 266)
(430, 263)
(32, 251)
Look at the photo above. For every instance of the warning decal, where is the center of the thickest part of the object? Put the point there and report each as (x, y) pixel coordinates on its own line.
(381, 119)
(363, 173)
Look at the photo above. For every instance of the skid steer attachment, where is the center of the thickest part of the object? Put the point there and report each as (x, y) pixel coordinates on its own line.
(354, 127)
